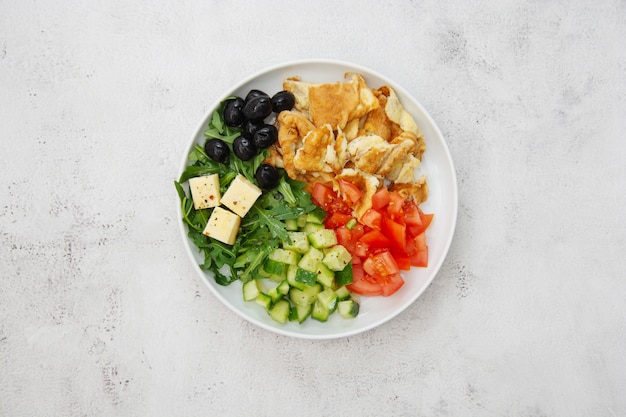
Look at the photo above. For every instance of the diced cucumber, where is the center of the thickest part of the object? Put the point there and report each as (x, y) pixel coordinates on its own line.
(264, 300)
(291, 224)
(285, 256)
(306, 277)
(323, 238)
(328, 299)
(301, 220)
(348, 309)
(274, 294)
(251, 290)
(305, 296)
(344, 277)
(279, 291)
(283, 288)
(310, 259)
(343, 293)
(351, 223)
(319, 312)
(316, 216)
(337, 258)
(280, 311)
(291, 277)
(325, 275)
(275, 270)
(300, 313)
(299, 242)
(311, 227)
(262, 272)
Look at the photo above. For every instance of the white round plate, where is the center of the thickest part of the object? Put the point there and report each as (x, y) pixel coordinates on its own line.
(442, 201)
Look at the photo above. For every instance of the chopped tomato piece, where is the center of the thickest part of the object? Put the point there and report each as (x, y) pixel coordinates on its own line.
(372, 218)
(380, 199)
(427, 219)
(391, 284)
(322, 195)
(380, 264)
(396, 232)
(361, 249)
(349, 238)
(420, 241)
(416, 230)
(403, 260)
(361, 284)
(411, 214)
(350, 191)
(336, 220)
(344, 238)
(394, 208)
(420, 258)
(411, 246)
(328, 200)
(375, 239)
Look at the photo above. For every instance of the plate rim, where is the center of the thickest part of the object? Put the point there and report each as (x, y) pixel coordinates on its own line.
(200, 128)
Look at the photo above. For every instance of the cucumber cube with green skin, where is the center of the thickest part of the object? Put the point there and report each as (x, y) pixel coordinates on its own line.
(283, 288)
(291, 224)
(310, 259)
(279, 291)
(337, 258)
(275, 270)
(280, 311)
(305, 296)
(311, 227)
(343, 293)
(251, 290)
(300, 313)
(291, 277)
(301, 220)
(348, 309)
(344, 277)
(285, 256)
(306, 277)
(323, 238)
(325, 275)
(299, 242)
(264, 300)
(319, 312)
(328, 298)
(274, 294)
(316, 216)
(262, 272)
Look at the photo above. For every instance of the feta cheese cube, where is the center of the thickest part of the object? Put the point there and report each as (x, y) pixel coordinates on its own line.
(241, 195)
(205, 191)
(223, 226)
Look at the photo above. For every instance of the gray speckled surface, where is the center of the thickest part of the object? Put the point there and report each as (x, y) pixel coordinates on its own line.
(102, 314)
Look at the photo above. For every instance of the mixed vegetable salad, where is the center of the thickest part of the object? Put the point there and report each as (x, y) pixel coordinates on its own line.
(298, 254)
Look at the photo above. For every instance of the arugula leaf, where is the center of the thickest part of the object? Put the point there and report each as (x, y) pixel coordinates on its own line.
(261, 230)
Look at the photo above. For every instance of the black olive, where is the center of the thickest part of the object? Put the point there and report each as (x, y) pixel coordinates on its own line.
(266, 176)
(233, 112)
(255, 93)
(244, 148)
(265, 136)
(258, 108)
(217, 150)
(283, 100)
(249, 127)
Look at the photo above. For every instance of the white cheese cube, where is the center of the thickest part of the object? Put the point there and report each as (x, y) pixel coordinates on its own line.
(241, 195)
(223, 226)
(205, 191)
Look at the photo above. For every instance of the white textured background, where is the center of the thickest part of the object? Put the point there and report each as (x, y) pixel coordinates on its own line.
(101, 313)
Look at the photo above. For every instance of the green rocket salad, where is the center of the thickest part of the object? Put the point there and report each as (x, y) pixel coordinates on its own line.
(262, 230)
